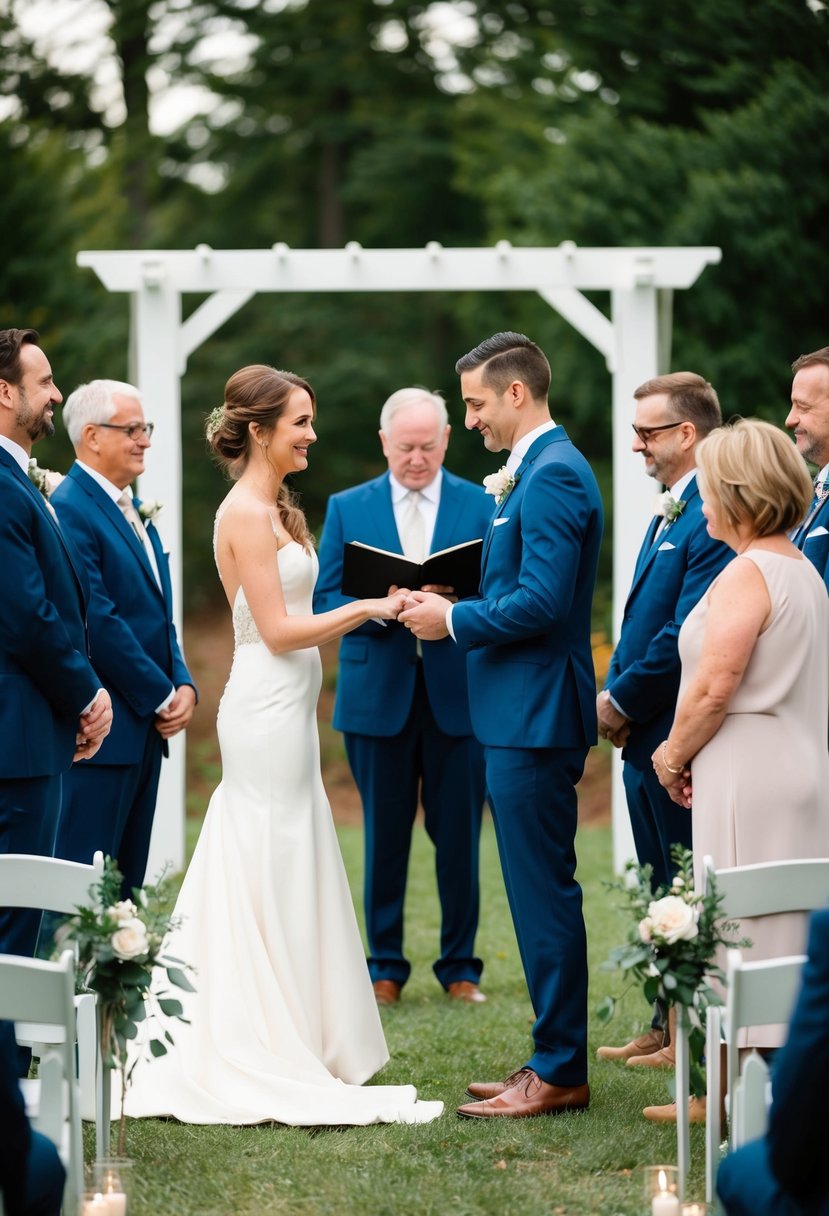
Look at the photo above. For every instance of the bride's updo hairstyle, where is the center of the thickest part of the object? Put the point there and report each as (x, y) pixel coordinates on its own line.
(756, 475)
(257, 393)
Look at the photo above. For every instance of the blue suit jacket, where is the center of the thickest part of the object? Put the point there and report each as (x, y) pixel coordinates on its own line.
(376, 680)
(46, 678)
(785, 1172)
(670, 577)
(133, 641)
(531, 678)
(815, 541)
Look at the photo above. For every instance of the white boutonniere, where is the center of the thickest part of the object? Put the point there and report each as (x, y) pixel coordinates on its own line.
(499, 484)
(149, 510)
(669, 506)
(46, 480)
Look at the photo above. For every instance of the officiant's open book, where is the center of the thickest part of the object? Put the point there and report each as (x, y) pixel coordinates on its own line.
(368, 572)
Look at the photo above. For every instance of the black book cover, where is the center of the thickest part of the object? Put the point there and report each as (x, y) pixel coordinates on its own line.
(368, 572)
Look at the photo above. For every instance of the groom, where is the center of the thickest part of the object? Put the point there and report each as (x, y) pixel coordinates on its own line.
(532, 698)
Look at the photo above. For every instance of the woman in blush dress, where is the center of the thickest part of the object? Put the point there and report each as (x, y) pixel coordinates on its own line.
(747, 752)
(283, 1025)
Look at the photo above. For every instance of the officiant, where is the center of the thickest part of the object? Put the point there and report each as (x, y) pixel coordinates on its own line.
(403, 706)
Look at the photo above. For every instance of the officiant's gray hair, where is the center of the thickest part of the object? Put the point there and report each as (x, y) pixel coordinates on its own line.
(93, 403)
(405, 397)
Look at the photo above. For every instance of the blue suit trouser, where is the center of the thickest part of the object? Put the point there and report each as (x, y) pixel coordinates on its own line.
(657, 821)
(29, 809)
(533, 798)
(111, 807)
(393, 775)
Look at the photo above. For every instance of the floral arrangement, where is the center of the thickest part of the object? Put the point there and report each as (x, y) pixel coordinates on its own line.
(671, 946)
(499, 484)
(150, 509)
(120, 944)
(46, 480)
(669, 506)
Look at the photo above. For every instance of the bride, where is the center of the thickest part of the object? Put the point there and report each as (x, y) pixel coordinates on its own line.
(284, 1024)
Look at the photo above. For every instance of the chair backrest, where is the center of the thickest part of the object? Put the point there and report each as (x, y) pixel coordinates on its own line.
(27, 881)
(36, 991)
(769, 887)
(760, 993)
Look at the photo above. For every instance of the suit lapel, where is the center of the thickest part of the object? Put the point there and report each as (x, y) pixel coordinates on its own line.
(117, 520)
(818, 516)
(649, 547)
(555, 435)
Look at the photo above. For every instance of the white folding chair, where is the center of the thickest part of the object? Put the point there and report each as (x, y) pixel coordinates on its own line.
(27, 881)
(33, 991)
(756, 890)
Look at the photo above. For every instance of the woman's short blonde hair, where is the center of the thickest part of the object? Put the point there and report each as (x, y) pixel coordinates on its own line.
(756, 475)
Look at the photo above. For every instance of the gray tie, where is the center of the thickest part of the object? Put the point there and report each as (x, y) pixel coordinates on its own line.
(132, 517)
(413, 528)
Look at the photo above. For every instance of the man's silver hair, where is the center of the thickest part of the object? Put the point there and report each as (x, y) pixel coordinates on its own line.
(412, 396)
(94, 403)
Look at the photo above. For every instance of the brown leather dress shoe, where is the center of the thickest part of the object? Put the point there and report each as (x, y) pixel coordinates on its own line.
(387, 992)
(665, 1057)
(645, 1045)
(465, 990)
(481, 1090)
(528, 1098)
(667, 1113)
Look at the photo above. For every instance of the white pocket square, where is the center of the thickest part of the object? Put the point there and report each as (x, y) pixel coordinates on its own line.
(502, 519)
(666, 544)
(818, 531)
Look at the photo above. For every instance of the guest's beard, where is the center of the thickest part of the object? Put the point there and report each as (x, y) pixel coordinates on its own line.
(36, 426)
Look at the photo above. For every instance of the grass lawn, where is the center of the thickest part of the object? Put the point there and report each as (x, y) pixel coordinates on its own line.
(571, 1164)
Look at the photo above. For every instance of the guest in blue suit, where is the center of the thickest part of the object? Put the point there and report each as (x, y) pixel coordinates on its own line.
(31, 1174)
(532, 694)
(676, 564)
(52, 706)
(110, 803)
(809, 419)
(403, 707)
(784, 1173)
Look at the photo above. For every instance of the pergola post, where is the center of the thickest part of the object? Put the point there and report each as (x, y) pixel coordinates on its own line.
(635, 342)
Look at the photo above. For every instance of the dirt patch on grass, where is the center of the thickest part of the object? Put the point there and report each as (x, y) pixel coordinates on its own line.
(208, 641)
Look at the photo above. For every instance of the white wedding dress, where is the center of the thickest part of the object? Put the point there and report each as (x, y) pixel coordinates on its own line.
(284, 1024)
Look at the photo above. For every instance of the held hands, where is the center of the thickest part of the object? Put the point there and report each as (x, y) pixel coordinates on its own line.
(388, 609)
(93, 726)
(613, 725)
(678, 785)
(178, 713)
(425, 615)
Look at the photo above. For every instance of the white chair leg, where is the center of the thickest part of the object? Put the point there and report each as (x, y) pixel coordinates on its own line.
(683, 1137)
(713, 1132)
(87, 1053)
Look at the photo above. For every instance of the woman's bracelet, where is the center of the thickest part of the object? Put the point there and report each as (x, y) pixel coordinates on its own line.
(670, 767)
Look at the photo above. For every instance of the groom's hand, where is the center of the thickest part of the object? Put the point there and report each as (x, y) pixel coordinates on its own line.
(425, 615)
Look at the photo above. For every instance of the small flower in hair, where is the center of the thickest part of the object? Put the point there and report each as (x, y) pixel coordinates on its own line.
(215, 420)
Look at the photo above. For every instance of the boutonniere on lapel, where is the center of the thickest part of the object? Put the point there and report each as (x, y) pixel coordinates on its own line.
(499, 484)
(150, 510)
(45, 480)
(669, 506)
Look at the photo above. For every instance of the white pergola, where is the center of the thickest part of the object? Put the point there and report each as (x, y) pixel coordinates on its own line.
(635, 341)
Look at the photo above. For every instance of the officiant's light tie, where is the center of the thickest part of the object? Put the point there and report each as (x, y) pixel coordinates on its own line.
(413, 528)
(134, 520)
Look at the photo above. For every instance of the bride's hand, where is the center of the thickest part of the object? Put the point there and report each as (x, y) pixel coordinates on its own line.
(389, 608)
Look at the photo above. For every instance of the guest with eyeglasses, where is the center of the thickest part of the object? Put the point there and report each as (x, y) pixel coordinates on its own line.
(109, 804)
(676, 563)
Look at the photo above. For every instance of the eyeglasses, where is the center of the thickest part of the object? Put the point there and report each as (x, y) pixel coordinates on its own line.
(645, 433)
(132, 429)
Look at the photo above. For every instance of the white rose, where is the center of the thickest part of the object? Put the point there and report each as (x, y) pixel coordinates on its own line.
(663, 503)
(672, 919)
(646, 930)
(130, 941)
(123, 912)
(499, 484)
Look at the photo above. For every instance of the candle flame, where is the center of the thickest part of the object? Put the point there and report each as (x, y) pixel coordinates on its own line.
(663, 1181)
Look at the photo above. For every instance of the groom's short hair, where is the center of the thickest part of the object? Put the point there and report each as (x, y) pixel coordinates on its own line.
(506, 357)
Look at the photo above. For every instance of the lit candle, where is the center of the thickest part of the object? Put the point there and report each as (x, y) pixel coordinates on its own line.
(117, 1201)
(664, 1203)
(695, 1209)
(95, 1205)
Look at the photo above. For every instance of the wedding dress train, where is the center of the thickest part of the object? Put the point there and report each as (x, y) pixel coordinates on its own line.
(284, 1024)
